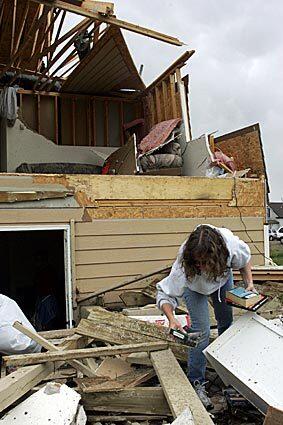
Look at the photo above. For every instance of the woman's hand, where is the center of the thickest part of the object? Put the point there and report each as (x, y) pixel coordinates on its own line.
(250, 287)
(175, 324)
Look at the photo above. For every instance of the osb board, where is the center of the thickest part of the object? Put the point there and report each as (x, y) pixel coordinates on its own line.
(245, 147)
(168, 211)
(249, 192)
(110, 251)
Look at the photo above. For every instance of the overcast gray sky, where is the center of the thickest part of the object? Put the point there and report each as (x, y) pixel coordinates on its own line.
(235, 75)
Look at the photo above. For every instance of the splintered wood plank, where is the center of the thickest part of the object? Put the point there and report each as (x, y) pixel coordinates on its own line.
(177, 388)
(116, 328)
(112, 21)
(103, 384)
(46, 344)
(34, 358)
(138, 400)
(18, 383)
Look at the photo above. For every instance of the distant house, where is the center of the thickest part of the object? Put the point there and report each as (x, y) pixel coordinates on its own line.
(275, 214)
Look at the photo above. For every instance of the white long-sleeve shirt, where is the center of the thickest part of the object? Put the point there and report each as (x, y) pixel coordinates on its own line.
(13, 341)
(173, 286)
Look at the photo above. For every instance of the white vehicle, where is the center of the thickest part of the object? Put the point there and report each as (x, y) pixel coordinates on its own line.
(272, 234)
(278, 235)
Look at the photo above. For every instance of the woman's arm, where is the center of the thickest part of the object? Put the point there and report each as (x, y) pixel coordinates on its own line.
(246, 273)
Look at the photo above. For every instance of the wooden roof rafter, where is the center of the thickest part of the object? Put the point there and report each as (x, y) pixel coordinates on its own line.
(17, 58)
(71, 57)
(64, 49)
(65, 5)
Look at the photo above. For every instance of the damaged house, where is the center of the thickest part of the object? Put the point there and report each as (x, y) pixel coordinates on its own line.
(101, 179)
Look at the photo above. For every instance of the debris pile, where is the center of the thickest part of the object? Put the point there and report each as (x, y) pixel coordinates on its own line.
(122, 364)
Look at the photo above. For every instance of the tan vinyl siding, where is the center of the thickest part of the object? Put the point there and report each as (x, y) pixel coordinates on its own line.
(109, 251)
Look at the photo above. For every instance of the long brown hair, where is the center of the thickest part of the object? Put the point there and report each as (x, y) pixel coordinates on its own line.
(205, 244)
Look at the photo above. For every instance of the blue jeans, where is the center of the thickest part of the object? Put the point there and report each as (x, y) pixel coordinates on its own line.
(197, 305)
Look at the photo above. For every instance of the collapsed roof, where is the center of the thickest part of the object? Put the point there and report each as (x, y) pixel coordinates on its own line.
(34, 41)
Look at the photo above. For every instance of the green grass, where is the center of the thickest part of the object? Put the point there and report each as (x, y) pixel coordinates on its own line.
(276, 252)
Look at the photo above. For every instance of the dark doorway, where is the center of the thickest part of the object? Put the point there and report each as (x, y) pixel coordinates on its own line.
(33, 274)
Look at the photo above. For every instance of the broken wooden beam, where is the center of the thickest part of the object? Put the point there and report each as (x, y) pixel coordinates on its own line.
(177, 388)
(66, 355)
(18, 383)
(112, 21)
(140, 400)
(104, 384)
(115, 328)
(49, 346)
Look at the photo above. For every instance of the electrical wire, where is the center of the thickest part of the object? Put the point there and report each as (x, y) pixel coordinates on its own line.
(245, 227)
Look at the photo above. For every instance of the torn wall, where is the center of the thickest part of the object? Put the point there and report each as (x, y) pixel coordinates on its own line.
(125, 226)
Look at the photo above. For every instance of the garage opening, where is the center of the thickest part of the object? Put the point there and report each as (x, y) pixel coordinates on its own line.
(34, 274)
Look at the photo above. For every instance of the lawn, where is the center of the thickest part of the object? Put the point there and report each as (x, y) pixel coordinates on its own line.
(276, 252)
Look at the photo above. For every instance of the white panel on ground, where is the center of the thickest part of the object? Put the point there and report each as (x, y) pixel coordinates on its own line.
(248, 356)
(53, 404)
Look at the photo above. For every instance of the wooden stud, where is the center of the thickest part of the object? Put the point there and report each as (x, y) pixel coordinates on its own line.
(157, 105)
(112, 21)
(56, 120)
(13, 26)
(93, 120)
(179, 63)
(106, 123)
(173, 96)
(121, 119)
(74, 121)
(88, 118)
(165, 99)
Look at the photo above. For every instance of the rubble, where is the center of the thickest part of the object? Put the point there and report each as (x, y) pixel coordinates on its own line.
(112, 166)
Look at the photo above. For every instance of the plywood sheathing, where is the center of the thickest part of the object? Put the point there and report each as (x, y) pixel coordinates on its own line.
(163, 196)
(107, 67)
(245, 146)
